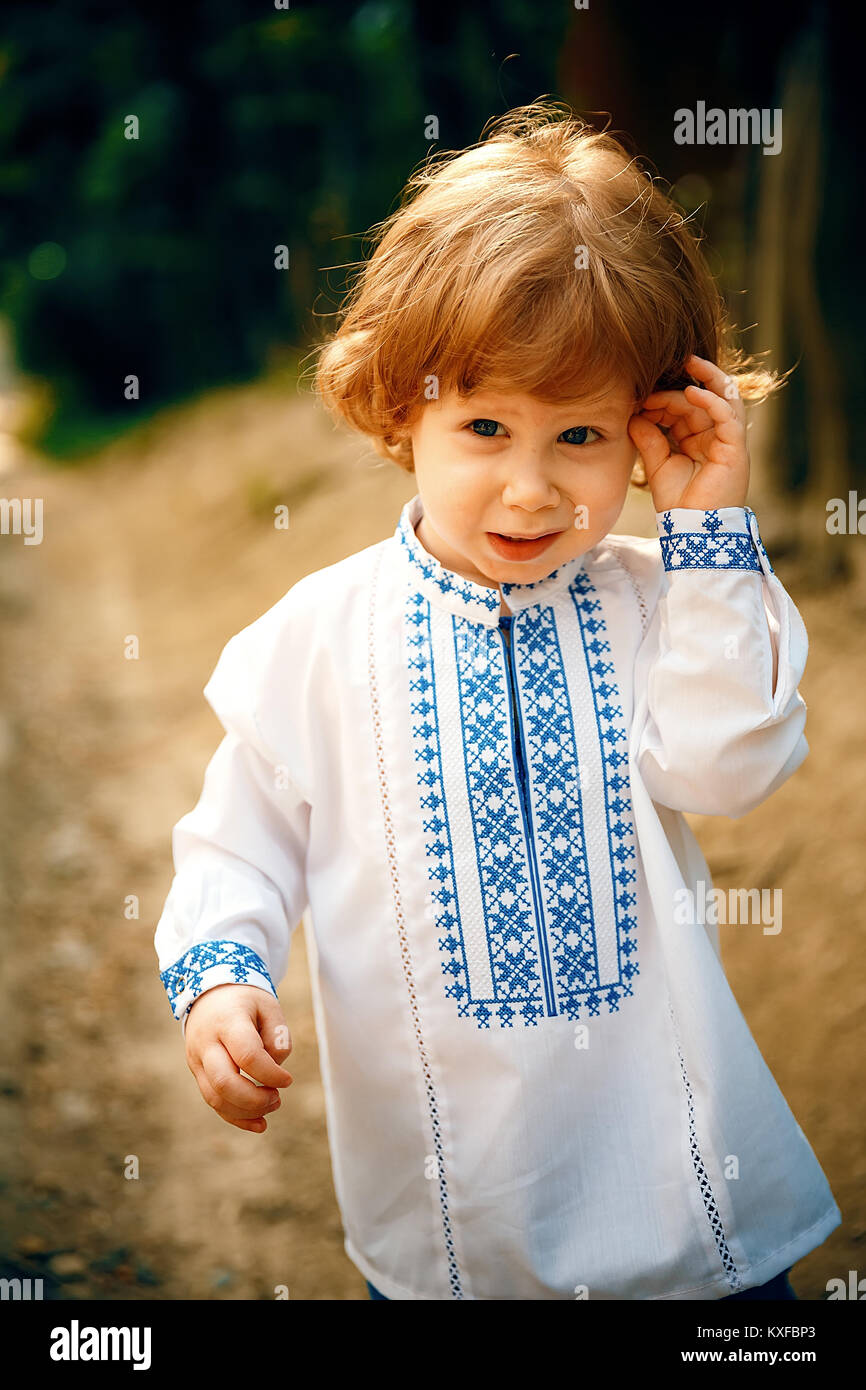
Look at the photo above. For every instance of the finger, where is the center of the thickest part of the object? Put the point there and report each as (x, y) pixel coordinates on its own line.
(661, 399)
(699, 445)
(650, 442)
(676, 405)
(728, 426)
(708, 372)
(242, 1042)
(231, 1088)
(228, 1112)
(680, 430)
(718, 381)
(273, 1030)
(254, 1126)
(257, 1125)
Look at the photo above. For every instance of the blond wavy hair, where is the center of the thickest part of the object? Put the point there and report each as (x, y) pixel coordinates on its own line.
(476, 280)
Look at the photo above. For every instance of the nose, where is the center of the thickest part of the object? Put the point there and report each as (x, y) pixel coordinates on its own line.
(527, 486)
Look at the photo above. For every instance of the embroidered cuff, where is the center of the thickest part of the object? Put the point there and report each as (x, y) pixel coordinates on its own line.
(210, 963)
(725, 538)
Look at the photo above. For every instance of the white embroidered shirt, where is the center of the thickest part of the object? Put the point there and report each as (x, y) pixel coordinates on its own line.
(538, 1082)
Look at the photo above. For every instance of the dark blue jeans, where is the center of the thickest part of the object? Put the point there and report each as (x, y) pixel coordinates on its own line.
(775, 1288)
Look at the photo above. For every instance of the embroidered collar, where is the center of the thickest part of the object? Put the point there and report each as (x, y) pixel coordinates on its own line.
(462, 596)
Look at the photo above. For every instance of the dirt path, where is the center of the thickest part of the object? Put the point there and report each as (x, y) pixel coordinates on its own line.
(169, 539)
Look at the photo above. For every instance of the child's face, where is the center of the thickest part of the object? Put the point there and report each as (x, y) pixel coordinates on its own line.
(489, 465)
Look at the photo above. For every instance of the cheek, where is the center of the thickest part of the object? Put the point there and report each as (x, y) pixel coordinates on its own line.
(459, 480)
(604, 484)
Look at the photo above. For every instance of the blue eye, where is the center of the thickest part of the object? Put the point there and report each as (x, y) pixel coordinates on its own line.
(487, 429)
(581, 431)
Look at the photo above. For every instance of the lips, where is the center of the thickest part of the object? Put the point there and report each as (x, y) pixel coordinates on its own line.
(521, 547)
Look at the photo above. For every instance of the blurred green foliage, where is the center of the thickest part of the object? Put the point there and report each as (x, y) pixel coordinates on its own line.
(262, 126)
(257, 127)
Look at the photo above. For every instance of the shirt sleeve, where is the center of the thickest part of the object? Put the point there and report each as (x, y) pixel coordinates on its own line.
(718, 717)
(239, 887)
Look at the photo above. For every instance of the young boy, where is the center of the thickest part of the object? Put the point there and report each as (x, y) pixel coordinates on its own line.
(463, 754)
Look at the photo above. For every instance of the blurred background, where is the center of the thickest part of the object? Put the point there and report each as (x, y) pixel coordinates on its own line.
(151, 160)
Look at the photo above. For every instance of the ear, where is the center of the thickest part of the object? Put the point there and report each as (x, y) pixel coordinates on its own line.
(402, 423)
(399, 446)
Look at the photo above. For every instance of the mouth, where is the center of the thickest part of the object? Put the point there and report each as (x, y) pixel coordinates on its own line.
(516, 547)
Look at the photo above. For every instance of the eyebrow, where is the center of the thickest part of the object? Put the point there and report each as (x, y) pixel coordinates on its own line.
(598, 410)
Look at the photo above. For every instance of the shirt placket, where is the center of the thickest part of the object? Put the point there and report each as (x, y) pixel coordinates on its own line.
(507, 626)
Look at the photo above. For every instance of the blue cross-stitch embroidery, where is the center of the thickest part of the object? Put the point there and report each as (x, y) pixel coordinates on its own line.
(532, 874)
(434, 572)
(752, 523)
(613, 738)
(508, 936)
(558, 809)
(187, 973)
(497, 822)
(536, 585)
(709, 545)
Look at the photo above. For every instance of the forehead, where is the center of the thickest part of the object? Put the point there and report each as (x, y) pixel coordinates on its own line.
(609, 403)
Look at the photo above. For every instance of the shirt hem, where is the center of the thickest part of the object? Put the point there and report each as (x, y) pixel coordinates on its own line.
(379, 1281)
(782, 1258)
